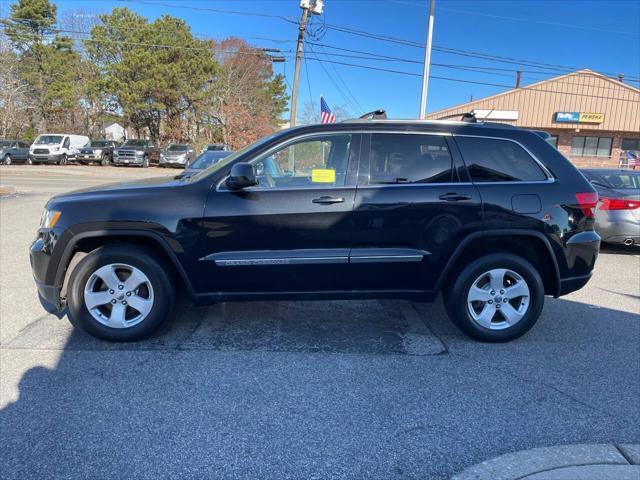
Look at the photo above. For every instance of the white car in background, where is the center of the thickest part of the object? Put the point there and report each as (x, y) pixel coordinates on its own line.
(57, 148)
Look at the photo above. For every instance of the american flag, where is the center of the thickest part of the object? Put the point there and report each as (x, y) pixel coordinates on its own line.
(325, 112)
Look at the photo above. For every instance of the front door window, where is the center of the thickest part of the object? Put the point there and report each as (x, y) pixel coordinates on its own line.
(316, 162)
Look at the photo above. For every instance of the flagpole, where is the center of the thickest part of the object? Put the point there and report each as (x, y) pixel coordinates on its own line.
(427, 61)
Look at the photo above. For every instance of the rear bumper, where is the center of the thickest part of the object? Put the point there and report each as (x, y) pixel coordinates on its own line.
(568, 285)
(581, 252)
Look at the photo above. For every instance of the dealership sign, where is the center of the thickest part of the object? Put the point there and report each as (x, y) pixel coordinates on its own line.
(579, 117)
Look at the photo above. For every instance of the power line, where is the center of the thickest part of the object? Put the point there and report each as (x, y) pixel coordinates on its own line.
(341, 90)
(346, 86)
(260, 53)
(497, 58)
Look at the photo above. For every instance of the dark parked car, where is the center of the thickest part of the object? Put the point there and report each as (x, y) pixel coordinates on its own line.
(215, 147)
(205, 160)
(97, 151)
(177, 155)
(491, 215)
(14, 151)
(618, 211)
(137, 152)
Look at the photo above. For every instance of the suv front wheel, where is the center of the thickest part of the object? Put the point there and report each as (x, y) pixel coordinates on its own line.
(496, 298)
(119, 293)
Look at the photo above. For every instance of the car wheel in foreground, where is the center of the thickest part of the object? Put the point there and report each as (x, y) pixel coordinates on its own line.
(29, 161)
(119, 293)
(497, 298)
(63, 160)
(7, 160)
(104, 160)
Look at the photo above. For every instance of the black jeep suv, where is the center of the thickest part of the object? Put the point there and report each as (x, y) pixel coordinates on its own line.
(493, 216)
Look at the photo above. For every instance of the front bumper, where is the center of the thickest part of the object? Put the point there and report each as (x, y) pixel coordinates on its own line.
(137, 160)
(88, 157)
(40, 157)
(40, 254)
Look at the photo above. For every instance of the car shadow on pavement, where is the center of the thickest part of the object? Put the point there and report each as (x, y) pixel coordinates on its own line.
(302, 389)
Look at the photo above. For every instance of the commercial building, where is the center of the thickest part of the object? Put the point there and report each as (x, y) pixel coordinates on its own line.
(593, 119)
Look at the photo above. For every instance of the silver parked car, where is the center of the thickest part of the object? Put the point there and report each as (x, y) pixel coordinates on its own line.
(177, 155)
(618, 210)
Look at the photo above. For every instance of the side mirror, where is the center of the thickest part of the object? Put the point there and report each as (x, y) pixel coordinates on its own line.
(241, 176)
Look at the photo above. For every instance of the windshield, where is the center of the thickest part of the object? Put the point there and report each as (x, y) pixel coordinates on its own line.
(48, 140)
(215, 146)
(177, 148)
(622, 180)
(227, 160)
(98, 143)
(208, 158)
(135, 143)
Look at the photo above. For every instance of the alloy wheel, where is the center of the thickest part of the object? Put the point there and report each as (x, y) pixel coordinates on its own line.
(7, 160)
(498, 299)
(118, 295)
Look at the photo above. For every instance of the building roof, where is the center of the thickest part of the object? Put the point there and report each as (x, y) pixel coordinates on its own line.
(580, 91)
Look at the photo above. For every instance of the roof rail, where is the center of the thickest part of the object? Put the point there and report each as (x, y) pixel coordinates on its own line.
(469, 117)
(379, 114)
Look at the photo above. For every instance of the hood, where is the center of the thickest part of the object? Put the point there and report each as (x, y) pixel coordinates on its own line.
(119, 189)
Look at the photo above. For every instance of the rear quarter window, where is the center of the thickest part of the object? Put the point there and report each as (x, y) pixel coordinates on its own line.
(495, 160)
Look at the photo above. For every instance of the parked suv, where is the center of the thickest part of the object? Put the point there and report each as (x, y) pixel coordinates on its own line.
(138, 152)
(14, 151)
(177, 155)
(492, 216)
(97, 151)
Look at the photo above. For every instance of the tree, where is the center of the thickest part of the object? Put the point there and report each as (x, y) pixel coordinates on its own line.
(47, 62)
(14, 101)
(250, 99)
(155, 73)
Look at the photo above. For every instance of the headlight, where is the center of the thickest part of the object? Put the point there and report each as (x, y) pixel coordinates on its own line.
(115, 153)
(162, 156)
(55, 149)
(97, 152)
(49, 218)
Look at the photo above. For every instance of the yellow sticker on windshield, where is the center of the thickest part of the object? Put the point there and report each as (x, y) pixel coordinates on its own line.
(323, 175)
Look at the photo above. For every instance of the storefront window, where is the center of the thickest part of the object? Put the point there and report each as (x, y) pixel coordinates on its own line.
(631, 144)
(591, 146)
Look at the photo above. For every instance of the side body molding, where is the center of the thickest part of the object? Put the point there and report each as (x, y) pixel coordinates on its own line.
(315, 256)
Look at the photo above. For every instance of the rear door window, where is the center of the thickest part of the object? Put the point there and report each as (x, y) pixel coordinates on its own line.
(496, 160)
(409, 158)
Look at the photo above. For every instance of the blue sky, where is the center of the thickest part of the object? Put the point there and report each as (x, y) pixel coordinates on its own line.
(600, 35)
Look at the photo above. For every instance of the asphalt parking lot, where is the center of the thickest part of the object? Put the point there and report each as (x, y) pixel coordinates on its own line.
(362, 389)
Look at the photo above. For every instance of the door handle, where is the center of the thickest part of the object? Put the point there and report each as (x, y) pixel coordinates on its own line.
(454, 197)
(326, 200)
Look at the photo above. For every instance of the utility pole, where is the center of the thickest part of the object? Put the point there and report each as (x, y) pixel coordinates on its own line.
(308, 6)
(427, 61)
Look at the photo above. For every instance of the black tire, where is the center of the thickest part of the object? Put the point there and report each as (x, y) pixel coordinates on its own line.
(455, 297)
(145, 162)
(29, 161)
(63, 161)
(164, 293)
(7, 160)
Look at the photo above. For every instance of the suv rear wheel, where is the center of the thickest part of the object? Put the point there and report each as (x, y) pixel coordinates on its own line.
(497, 298)
(119, 293)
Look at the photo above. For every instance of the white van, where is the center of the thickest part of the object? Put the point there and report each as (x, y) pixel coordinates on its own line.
(56, 148)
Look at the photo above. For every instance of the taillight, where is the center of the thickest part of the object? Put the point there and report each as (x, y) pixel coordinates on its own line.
(587, 202)
(619, 204)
